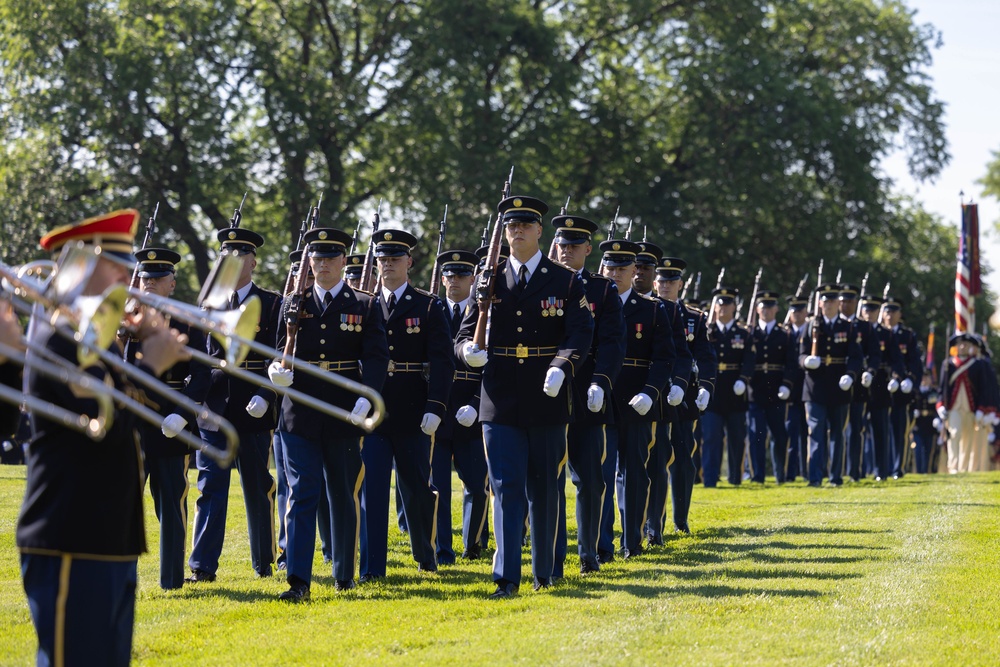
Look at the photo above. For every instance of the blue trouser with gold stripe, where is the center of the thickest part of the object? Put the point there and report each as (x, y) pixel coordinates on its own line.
(586, 451)
(826, 441)
(635, 439)
(609, 470)
(682, 471)
(855, 438)
(469, 457)
(168, 486)
(764, 418)
(524, 465)
(331, 467)
(83, 609)
(659, 482)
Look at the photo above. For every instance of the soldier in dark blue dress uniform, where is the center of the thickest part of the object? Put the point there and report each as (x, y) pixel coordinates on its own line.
(252, 409)
(884, 385)
(726, 417)
(167, 459)
(353, 268)
(459, 439)
(832, 361)
(79, 549)
(592, 387)
(696, 398)
(926, 426)
(776, 360)
(420, 342)
(906, 341)
(540, 331)
(645, 373)
(340, 330)
(795, 417)
(872, 358)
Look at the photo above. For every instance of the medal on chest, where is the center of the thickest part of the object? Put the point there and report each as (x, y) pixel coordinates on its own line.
(412, 325)
(638, 330)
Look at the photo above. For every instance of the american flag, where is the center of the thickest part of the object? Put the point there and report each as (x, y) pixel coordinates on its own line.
(967, 279)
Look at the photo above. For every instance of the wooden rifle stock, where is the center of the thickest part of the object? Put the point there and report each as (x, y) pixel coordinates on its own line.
(368, 268)
(487, 284)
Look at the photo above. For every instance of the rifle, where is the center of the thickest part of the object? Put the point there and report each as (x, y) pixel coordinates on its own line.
(864, 285)
(552, 246)
(752, 311)
(697, 287)
(487, 284)
(354, 239)
(436, 271)
(687, 283)
(628, 230)
(484, 239)
(297, 297)
(798, 295)
(150, 230)
(711, 306)
(314, 214)
(237, 218)
(613, 227)
(369, 266)
(816, 311)
(289, 279)
(839, 273)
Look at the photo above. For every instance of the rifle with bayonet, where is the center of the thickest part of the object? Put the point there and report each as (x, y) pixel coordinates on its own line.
(295, 267)
(711, 307)
(487, 282)
(553, 255)
(150, 230)
(697, 287)
(817, 312)
(436, 271)
(752, 309)
(368, 268)
(687, 284)
(613, 227)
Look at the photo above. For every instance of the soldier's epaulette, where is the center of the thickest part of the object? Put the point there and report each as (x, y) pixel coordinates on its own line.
(358, 290)
(598, 277)
(654, 299)
(270, 292)
(423, 292)
(693, 310)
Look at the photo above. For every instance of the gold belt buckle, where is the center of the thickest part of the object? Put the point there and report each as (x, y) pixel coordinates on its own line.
(521, 352)
(392, 366)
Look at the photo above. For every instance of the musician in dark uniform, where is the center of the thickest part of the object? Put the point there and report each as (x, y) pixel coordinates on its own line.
(906, 341)
(776, 358)
(420, 341)
(646, 371)
(252, 409)
(459, 439)
(832, 359)
(696, 398)
(726, 416)
(592, 387)
(167, 459)
(79, 549)
(795, 417)
(339, 330)
(540, 331)
(857, 414)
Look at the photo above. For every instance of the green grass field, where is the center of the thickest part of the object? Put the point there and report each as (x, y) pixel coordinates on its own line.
(902, 573)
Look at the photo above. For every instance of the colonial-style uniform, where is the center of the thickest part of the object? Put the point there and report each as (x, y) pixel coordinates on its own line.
(827, 388)
(339, 330)
(233, 398)
(726, 417)
(795, 416)
(458, 443)
(540, 327)
(419, 378)
(968, 402)
(776, 359)
(79, 547)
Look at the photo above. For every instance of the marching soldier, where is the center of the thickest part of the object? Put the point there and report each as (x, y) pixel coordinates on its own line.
(967, 405)
(540, 330)
(885, 384)
(460, 437)
(646, 260)
(682, 443)
(726, 416)
(857, 413)
(906, 341)
(646, 371)
(832, 359)
(795, 417)
(80, 530)
(252, 410)
(592, 386)
(166, 460)
(339, 330)
(925, 434)
(776, 357)
(419, 337)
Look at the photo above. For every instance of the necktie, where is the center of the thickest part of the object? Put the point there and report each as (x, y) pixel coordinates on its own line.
(391, 303)
(234, 301)
(522, 278)
(456, 312)
(327, 300)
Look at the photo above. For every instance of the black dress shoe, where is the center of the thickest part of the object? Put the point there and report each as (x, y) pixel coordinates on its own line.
(815, 485)
(473, 552)
(368, 578)
(605, 557)
(264, 573)
(541, 583)
(200, 576)
(683, 529)
(297, 593)
(343, 584)
(505, 589)
(427, 567)
(588, 566)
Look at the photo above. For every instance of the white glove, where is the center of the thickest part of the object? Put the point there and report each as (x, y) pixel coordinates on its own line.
(893, 386)
(784, 393)
(979, 416)
(473, 356)
(906, 386)
(430, 423)
(172, 425)
(257, 407)
(811, 362)
(942, 413)
(701, 401)
(993, 418)
(937, 423)
(991, 438)
(675, 396)
(466, 415)
(279, 375)
(739, 387)
(866, 379)
(916, 413)
(360, 411)
(845, 382)
(641, 403)
(553, 381)
(595, 398)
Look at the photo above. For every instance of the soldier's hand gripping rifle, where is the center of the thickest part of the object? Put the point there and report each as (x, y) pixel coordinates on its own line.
(292, 271)
(486, 284)
(817, 311)
(752, 311)
(711, 306)
(368, 268)
(296, 299)
(553, 255)
(436, 272)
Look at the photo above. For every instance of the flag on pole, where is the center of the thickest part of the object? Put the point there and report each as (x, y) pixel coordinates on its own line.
(967, 279)
(931, 369)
